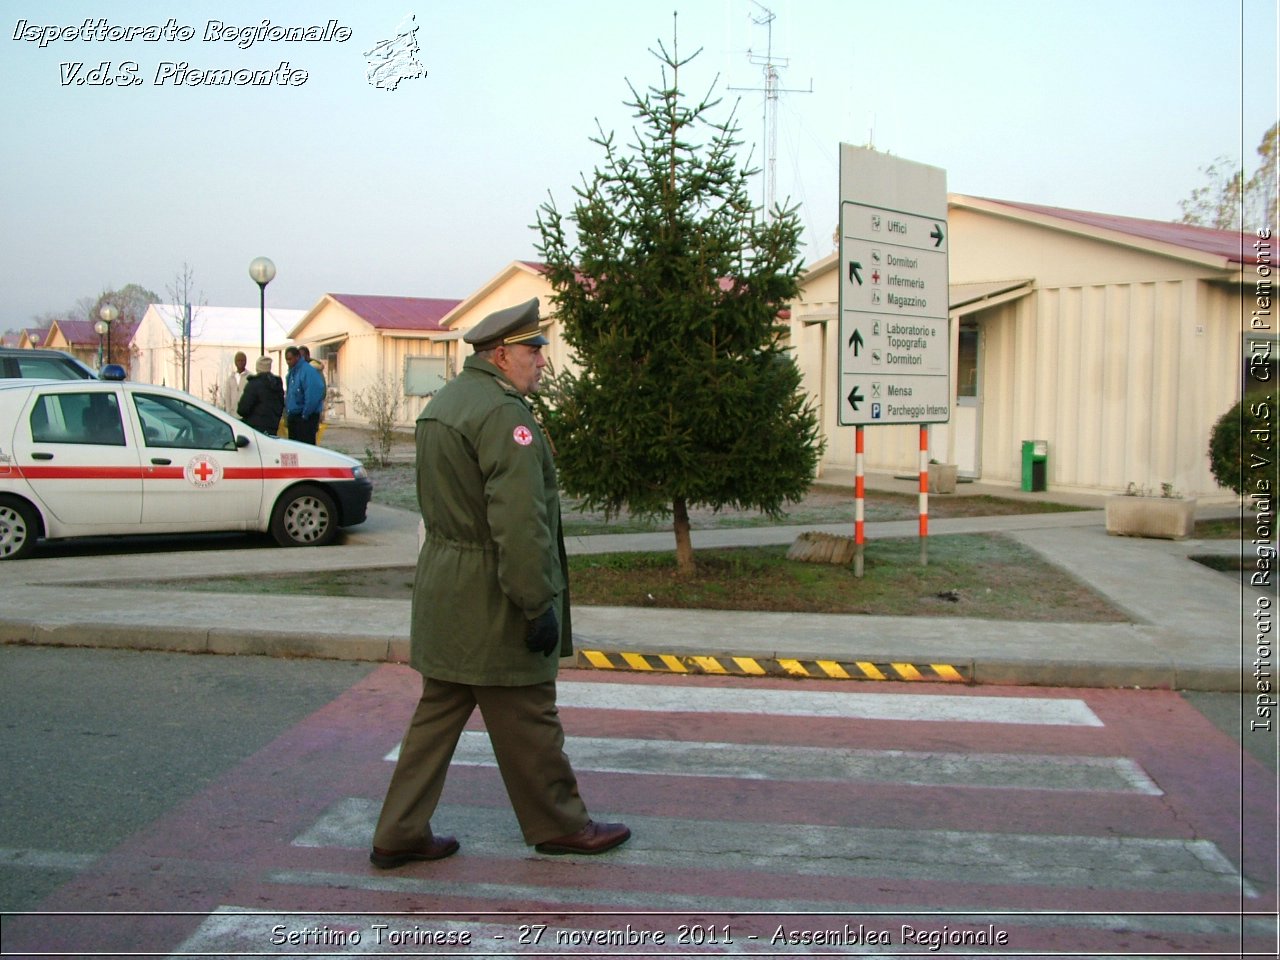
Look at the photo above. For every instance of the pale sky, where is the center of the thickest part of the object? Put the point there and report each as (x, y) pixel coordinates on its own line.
(430, 189)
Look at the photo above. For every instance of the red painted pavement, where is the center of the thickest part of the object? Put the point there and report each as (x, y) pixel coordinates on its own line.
(219, 848)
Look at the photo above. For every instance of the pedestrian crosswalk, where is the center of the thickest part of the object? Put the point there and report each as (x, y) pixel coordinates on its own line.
(771, 818)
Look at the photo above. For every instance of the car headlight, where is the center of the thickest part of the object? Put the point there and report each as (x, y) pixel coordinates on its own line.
(358, 472)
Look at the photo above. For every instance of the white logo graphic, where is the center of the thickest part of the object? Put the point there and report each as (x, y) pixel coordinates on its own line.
(522, 435)
(391, 61)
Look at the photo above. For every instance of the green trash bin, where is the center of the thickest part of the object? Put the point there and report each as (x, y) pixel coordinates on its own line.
(1035, 465)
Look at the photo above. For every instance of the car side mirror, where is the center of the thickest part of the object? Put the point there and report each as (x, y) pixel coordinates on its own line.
(241, 441)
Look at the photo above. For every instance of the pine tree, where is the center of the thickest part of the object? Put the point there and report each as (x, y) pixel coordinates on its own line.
(670, 296)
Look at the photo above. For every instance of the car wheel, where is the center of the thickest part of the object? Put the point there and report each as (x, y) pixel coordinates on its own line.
(19, 528)
(305, 517)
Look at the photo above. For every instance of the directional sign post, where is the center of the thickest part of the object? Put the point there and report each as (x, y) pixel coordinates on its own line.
(895, 341)
(895, 337)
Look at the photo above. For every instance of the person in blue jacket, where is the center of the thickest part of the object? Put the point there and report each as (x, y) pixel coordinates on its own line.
(303, 397)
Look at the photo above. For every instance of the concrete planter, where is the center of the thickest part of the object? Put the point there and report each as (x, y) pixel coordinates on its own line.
(1161, 518)
(942, 477)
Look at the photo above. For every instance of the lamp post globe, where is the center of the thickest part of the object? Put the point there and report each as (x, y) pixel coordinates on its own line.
(109, 315)
(263, 271)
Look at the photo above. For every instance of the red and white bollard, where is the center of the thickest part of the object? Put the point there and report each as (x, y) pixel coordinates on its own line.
(924, 494)
(859, 499)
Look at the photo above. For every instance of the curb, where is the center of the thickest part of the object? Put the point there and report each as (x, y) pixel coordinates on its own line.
(742, 666)
(373, 649)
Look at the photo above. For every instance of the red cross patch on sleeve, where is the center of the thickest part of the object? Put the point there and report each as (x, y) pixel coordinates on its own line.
(522, 435)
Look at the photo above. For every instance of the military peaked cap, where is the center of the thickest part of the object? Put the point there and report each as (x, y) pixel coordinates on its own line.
(518, 324)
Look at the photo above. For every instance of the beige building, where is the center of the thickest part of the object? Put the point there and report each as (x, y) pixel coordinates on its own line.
(81, 340)
(414, 343)
(363, 341)
(517, 282)
(1116, 340)
(32, 338)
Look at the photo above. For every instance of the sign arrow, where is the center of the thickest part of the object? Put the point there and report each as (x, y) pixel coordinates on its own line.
(854, 267)
(856, 342)
(937, 235)
(855, 398)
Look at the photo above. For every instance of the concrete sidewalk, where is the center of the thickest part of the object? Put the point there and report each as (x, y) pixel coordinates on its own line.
(1186, 628)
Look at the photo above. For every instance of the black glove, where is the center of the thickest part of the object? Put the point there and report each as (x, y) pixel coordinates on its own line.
(544, 633)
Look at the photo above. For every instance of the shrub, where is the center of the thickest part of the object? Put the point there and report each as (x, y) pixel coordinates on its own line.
(378, 403)
(1240, 444)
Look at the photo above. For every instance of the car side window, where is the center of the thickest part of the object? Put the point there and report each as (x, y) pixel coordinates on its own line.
(170, 422)
(77, 418)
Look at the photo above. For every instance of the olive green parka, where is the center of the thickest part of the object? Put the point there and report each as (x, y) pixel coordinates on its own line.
(494, 557)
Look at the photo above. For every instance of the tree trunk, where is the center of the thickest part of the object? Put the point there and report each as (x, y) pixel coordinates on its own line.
(685, 565)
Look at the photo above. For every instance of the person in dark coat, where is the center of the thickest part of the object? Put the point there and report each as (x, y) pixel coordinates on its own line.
(490, 613)
(262, 403)
(303, 397)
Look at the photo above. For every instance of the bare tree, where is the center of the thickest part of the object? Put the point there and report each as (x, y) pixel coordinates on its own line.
(1229, 201)
(131, 302)
(181, 295)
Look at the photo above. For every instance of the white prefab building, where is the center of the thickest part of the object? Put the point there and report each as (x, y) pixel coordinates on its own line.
(217, 335)
(1117, 341)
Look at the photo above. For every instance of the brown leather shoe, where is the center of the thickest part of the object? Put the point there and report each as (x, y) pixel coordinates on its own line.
(593, 838)
(437, 848)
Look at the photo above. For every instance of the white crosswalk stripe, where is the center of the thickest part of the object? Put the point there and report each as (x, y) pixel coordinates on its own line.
(950, 856)
(681, 758)
(848, 705)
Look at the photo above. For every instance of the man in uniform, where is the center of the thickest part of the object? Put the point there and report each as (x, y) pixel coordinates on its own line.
(490, 614)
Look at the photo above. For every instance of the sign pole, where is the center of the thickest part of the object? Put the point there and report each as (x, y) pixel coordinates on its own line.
(924, 494)
(893, 299)
(859, 500)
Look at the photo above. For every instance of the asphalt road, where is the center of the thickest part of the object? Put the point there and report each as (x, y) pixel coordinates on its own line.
(99, 743)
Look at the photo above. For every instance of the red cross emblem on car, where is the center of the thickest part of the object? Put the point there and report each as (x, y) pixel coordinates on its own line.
(203, 471)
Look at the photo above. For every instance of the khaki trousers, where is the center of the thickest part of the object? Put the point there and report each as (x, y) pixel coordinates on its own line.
(528, 741)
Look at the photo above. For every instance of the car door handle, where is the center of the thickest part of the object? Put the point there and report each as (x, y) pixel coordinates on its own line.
(42, 456)
(161, 461)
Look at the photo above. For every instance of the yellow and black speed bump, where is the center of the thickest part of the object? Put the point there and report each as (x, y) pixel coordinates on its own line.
(730, 666)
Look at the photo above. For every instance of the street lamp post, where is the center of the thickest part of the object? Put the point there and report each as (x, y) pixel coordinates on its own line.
(262, 271)
(109, 315)
(100, 328)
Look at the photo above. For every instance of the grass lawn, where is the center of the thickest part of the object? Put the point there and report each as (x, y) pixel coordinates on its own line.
(394, 486)
(981, 576)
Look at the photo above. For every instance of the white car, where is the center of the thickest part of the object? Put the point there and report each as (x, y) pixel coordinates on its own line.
(81, 458)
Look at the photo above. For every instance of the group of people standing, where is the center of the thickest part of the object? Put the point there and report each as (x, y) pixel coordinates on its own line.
(262, 399)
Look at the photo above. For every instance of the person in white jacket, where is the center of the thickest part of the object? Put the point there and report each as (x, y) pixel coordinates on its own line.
(234, 386)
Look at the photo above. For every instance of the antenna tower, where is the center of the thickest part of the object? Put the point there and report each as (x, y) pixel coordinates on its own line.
(770, 65)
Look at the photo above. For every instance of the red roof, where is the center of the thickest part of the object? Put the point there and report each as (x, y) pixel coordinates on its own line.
(82, 332)
(1234, 247)
(397, 313)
